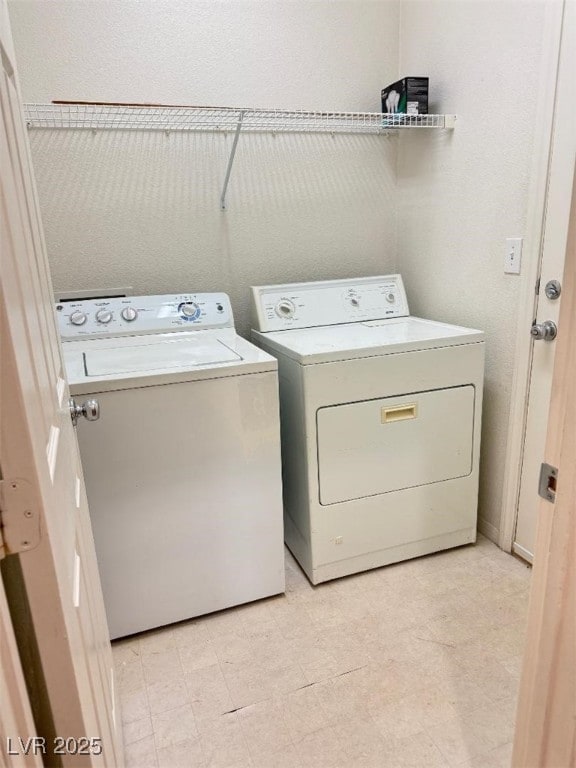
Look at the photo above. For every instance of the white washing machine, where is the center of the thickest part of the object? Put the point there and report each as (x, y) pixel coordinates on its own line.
(182, 468)
(380, 416)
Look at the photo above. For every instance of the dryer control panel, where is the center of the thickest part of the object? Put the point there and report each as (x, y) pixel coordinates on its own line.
(331, 302)
(132, 315)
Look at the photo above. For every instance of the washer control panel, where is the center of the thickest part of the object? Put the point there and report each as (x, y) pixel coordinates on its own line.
(332, 302)
(131, 315)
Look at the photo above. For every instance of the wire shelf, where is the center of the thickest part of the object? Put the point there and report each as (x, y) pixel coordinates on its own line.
(155, 118)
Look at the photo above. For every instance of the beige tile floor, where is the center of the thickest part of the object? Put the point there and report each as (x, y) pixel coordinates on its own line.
(415, 665)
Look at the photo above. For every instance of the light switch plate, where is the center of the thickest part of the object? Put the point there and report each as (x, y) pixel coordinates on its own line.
(513, 255)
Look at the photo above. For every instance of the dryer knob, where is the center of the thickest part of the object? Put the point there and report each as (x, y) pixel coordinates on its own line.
(104, 316)
(285, 308)
(129, 314)
(78, 318)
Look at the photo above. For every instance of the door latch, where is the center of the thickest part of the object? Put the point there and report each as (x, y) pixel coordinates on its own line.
(548, 482)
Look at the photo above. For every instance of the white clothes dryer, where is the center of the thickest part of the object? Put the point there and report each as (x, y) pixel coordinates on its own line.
(182, 468)
(380, 415)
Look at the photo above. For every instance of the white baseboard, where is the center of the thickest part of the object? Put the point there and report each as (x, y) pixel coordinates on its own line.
(523, 553)
(488, 530)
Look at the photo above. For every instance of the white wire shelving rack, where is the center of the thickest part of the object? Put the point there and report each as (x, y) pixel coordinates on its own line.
(97, 117)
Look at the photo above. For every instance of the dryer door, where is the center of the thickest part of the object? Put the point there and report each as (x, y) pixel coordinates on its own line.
(378, 446)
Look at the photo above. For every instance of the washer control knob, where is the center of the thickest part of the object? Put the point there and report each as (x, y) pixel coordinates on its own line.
(129, 314)
(103, 316)
(391, 297)
(189, 310)
(285, 308)
(78, 318)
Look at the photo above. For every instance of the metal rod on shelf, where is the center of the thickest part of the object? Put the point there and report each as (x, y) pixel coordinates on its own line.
(231, 160)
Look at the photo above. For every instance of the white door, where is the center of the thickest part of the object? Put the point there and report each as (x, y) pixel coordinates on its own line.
(546, 716)
(44, 509)
(561, 170)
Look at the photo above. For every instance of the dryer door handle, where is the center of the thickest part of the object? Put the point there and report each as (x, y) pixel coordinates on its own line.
(398, 413)
(90, 410)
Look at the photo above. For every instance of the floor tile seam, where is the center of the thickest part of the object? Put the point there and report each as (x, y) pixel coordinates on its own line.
(380, 738)
(420, 728)
(223, 677)
(183, 662)
(443, 753)
(154, 633)
(508, 594)
(267, 672)
(206, 754)
(328, 726)
(495, 660)
(179, 706)
(390, 738)
(126, 664)
(159, 748)
(117, 645)
(358, 668)
(396, 701)
(285, 721)
(144, 689)
(490, 746)
(486, 746)
(493, 749)
(501, 656)
(484, 638)
(466, 715)
(128, 747)
(256, 753)
(131, 744)
(193, 643)
(167, 677)
(507, 623)
(171, 709)
(499, 619)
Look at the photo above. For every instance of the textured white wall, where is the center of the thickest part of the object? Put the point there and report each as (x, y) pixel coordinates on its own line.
(142, 209)
(460, 196)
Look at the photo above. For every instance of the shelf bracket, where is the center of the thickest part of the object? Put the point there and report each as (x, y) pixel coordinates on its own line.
(231, 160)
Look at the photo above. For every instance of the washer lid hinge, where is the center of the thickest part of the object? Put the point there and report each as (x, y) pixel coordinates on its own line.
(548, 482)
(19, 520)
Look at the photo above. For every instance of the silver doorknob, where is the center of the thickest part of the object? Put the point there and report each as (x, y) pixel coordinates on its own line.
(90, 410)
(546, 331)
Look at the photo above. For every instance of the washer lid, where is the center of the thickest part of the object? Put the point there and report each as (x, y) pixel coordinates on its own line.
(106, 364)
(354, 340)
(157, 355)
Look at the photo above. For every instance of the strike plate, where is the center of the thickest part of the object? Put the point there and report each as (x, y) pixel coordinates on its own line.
(19, 521)
(548, 482)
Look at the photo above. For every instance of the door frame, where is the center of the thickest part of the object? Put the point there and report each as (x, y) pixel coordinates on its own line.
(532, 256)
(546, 714)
